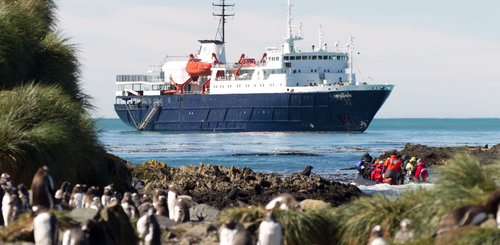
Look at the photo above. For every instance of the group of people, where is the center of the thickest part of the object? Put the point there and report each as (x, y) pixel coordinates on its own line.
(396, 169)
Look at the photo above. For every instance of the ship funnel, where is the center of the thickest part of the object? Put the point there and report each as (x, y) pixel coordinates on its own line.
(210, 47)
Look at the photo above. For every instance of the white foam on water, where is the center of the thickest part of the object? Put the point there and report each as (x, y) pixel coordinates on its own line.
(392, 190)
(371, 187)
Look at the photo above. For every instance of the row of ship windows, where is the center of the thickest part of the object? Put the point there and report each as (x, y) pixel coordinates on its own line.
(312, 57)
(247, 85)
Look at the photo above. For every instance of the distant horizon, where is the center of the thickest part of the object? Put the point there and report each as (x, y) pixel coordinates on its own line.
(402, 118)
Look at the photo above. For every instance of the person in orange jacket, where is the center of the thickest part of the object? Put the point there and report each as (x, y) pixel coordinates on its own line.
(392, 168)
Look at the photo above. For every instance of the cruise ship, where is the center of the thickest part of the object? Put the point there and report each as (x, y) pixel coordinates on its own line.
(284, 89)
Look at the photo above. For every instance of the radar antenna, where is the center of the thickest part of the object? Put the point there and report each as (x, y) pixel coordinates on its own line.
(223, 17)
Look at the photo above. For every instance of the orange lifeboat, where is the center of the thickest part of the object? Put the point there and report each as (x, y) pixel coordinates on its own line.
(196, 68)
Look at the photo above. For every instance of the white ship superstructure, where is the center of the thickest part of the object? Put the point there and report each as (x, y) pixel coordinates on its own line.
(234, 94)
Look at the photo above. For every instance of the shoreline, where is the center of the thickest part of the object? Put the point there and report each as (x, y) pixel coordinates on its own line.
(217, 190)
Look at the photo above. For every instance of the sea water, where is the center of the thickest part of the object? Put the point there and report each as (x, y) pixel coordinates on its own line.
(287, 152)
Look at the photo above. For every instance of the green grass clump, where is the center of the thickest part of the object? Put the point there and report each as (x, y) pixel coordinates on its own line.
(463, 181)
(32, 49)
(44, 117)
(41, 125)
(483, 236)
(310, 227)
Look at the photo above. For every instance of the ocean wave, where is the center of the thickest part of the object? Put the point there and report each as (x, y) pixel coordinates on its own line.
(275, 154)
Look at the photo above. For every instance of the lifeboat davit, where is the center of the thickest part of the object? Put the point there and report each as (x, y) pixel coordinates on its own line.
(196, 68)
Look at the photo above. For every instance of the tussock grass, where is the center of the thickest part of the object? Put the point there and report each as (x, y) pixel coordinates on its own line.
(41, 125)
(310, 227)
(21, 229)
(464, 181)
(43, 110)
(484, 236)
(359, 217)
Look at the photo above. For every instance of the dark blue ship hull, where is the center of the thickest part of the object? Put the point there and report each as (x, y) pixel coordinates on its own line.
(321, 111)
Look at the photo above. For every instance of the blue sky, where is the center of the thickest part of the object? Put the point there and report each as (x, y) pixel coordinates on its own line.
(441, 55)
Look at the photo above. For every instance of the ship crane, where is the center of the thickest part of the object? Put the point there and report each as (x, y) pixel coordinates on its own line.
(242, 62)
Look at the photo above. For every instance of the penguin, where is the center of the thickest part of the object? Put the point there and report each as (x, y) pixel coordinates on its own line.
(269, 231)
(6, 204)
(242, 236)
(16, 208)
(493, 206)
(377, 236)
(65, 192)
(462, 216)
(161, 206)
(106, 196)
(136, 199)
(75, 236)
(157, 195)
(89, 195)
(76, 199)
(171, 201)
(145, 198)
(284, 201)
(24, 196)
(96, 203)
(5, 180)
(472, 214)
(181, 211)
(129, 206)
(227, 232)
(405, 234)
(149, 228)
(58, 200)
(42, 189)
(45, 229)
(4, 184)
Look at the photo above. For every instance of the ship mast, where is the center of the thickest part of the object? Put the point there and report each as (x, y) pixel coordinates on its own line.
(350, 47)
(290, 37)
(223, 17)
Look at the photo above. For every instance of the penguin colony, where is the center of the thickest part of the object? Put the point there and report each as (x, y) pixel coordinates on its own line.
(42, 199)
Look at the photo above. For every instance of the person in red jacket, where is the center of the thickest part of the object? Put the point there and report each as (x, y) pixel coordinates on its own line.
(376, 174)
(392, 168)
(421, 173)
